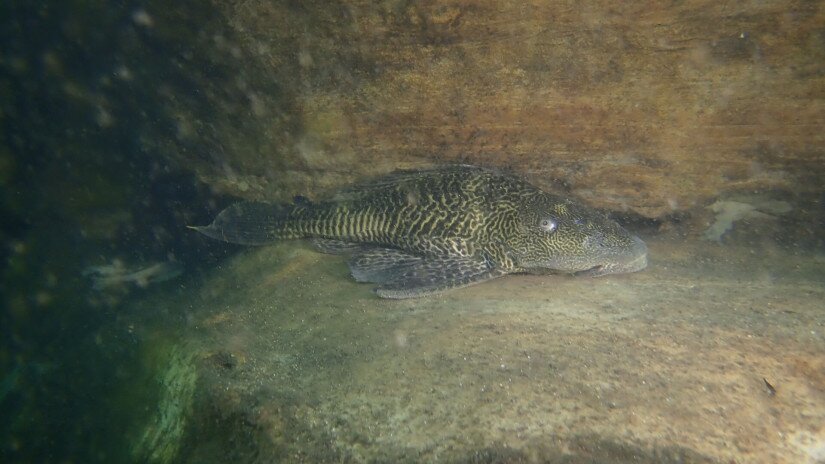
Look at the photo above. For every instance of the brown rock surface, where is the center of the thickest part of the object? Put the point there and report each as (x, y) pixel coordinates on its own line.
(631, 106)
(295, 362)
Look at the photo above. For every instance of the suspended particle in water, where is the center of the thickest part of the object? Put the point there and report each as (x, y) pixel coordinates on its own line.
(142, 18)
(771, 388)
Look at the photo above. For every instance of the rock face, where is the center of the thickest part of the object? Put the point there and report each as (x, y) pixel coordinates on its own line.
(712, 355)
(629, 106)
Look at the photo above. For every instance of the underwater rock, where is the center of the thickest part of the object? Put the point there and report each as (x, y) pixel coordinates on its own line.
(295, 363)
(651, 111)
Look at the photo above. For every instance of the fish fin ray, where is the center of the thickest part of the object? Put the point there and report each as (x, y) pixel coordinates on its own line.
(435, 275)
(395, 180)
(380, 265)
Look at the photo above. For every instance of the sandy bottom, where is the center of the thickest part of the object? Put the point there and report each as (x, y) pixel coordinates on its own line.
(713, 354)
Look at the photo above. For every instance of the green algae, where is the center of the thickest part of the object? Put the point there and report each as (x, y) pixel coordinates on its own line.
(176, 377)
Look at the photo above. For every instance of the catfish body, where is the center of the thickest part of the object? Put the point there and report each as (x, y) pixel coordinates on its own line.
(421, 232)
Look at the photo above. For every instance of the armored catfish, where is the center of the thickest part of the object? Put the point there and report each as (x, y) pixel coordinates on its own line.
(416, 233)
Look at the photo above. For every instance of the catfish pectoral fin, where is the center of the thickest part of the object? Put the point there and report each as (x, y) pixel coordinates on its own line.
(381, 265)
(430, 276)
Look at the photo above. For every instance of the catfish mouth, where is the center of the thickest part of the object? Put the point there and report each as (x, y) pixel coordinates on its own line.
(592, 272)
(634, 265)
(633, 260)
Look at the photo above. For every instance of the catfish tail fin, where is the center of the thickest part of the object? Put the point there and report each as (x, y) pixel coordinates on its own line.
(249, 223)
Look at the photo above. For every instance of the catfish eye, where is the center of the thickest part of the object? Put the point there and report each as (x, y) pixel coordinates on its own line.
(548, 225)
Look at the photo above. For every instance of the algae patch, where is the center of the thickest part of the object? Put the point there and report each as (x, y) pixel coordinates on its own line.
(161, 437)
